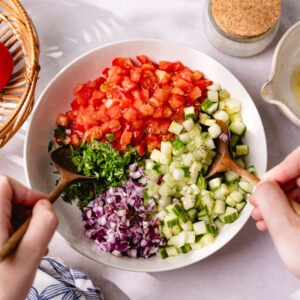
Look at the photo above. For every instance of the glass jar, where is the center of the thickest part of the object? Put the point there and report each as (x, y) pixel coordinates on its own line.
(234, 42)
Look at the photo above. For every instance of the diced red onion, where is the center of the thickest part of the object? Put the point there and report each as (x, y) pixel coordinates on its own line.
(118, 220)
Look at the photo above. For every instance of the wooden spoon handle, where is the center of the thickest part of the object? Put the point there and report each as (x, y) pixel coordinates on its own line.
(12, 243)
(255, 181)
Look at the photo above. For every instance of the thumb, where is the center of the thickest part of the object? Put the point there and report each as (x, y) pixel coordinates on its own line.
(40, 231)
(274, 207)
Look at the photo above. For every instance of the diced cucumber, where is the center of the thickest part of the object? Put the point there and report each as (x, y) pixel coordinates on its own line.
(236, 117)
(165, 159)
(178, 174)
(162, 253)
(231, 176)
(166, 232)
(149, 164)
(230, 201)
(252, 170)
(208, 202)
(213, 96)
(210, 143)
(237, 127)
(164, 190)
(177, 145)
(175, 230)
(177, 209)
(188, 124)
(221, 115)
(234, 140)
(239, 207)
(187, 159)
(166, 147)
(232, 106)
(214, 183)
(230, 215)
(190, 237)
(185, 248)
(186, 226)
(155, 155)
(171, 251)
(214, 131)
(188, 201)
(219, 207)
(172, 221)
(175, 127)
(221, 192)
(195, 167)
(201, 182)
(236, 196)
(241, 150)
(223, 94)
(195, 131)
(193, 214)
(214, 87)
(169, 180)
(185, 137)
(203, 118)
(199, 228)
(211, 228)
(189, 112)
(240, 162)
(209, 106)
(219, 224)
(207, 239)
(246, 186)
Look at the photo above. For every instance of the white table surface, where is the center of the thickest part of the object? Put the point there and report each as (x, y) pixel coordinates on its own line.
(248, 267)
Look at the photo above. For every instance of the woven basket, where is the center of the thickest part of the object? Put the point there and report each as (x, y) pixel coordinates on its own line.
(18, 34)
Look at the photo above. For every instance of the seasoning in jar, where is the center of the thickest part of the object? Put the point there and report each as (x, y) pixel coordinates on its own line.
(242, 27)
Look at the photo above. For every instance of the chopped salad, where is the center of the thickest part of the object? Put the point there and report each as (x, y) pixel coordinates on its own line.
(148, 132)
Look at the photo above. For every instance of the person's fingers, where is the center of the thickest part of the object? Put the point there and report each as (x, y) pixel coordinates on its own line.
(261, 226)
(40, 231)
(256, 214)
(294, 195)
(252, 200)
(287, 170)
(274, 207)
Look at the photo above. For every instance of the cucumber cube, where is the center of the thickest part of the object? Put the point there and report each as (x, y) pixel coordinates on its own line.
(214, 87)
(155, 155)
(178, 174)
(239, 207)
(231, 176)
(207, 240)
(189, 112)
(163, 253)
(214, 131)
(185, 137)
(232, 106)
(175, 127)
(214, 184)
(200, 228)
(185, 248)
(246, 186)
(213, 96)
(188, 124)
(221, 115)
(241, 150)
(166, 147)
(171, 251)
(237, 127)
(219, 207)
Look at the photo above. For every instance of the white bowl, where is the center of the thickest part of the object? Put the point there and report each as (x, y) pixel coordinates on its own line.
(277, 90)
(56, 98)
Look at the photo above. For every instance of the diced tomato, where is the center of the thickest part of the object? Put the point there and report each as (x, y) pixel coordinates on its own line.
(62, 120)
(148, 80)
(165, 66)
(75, 104)
(140, 149)
(138, 124)
(137, 137)
(135, 103)
(83, 93)
(114, 112)
(127, 84)
(75, 140)
(176, 101)
(146, 109)
(130, 114)
(183, 84)
(125, 138)
(135, 74)
(142, 59)
(177, 66)
(162, 94)
(167, 111)
(195, 92)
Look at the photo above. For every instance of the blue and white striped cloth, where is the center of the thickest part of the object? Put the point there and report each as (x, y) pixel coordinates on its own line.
(55, 281)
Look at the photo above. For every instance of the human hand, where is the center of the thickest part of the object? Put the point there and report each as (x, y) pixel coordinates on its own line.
(272, 211)
(17, 271)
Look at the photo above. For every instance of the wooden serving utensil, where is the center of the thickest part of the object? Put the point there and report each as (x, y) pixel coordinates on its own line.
(68, 174)
(224, 162)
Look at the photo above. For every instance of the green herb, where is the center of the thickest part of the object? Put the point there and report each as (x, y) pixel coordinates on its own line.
(98, 159)
(156, 167)
(186, 171)
(110, 137)
(177, 144)
(60, 133)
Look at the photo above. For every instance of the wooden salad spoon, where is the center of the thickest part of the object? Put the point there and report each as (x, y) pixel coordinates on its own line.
(225, 162)
(68, 174)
